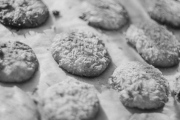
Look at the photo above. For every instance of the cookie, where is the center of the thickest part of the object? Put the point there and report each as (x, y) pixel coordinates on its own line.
(105, 14)
(23, 13)
(18, 62)
(80, 53)
(16, 105)
(70, 100)
(166, 12)
(140, 86)
(156, 45)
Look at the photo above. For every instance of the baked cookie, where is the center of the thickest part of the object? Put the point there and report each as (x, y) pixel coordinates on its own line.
(80, 53)
(140, 86)
(23, 13)
(16, 105)
(166, 12)
(70, 100)
(105, 14)
(18, 62)
(156, 45)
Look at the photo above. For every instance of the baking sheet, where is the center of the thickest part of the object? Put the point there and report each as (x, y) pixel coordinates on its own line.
(49, 73)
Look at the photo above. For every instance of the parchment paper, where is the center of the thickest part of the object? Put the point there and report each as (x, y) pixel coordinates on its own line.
(49, 73)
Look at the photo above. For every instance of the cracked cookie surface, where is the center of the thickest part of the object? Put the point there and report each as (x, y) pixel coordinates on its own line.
(23, 13)
(156, 45)
(80, 53)
(166, 12)
(105, 14)
(140, 86)
(18, 62)
(70, 100)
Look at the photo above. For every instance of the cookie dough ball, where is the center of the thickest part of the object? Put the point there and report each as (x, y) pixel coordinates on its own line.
(80, 53)
(140, 86)
(166, 12)
(18, 62)
(105, 14)
(23, 13)
(70, 100)
(16, 105)
(156, 45)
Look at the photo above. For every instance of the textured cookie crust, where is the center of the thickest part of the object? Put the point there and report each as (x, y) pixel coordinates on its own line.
(155, 44)
(166, 12)
(80, 53)
(23, 13)
(70, 100)
(18, 62)
(105, 14)
(16, 105)
(140, 86)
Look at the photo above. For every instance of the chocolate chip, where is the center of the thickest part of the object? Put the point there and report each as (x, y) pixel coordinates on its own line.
(56, 13)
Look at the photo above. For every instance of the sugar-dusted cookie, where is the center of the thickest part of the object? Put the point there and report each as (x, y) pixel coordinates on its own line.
(23, 13)
(80, 52)
(70, 100)
(140, 85)
(166, 12)
(105, 14)
(156, 45)
(18, 62)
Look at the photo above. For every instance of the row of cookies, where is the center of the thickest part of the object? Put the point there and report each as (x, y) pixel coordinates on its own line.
(67, 100)
(18, 61)
(33, 13)
(142, 85)
(110, 15)
(107, 15)
(52, 101)
(138, 87)
(157, 46)
(155, 43)
(78, 52)
(83, 57)
(96, 68)
(152, 49)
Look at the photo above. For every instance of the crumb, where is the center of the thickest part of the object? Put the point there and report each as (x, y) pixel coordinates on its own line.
(56, 13)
